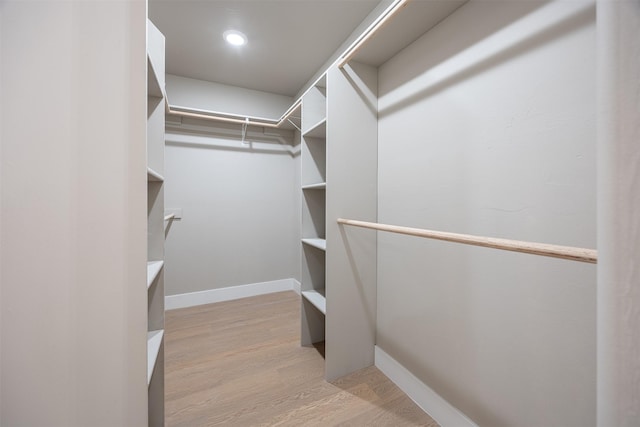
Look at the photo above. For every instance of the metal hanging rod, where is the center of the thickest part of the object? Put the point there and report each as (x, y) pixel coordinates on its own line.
(543, 249)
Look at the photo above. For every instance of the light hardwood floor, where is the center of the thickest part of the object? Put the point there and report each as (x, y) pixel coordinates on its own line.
(240, 363)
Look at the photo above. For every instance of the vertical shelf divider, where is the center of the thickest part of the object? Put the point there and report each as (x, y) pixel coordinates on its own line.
(352, 161)
(156, 100)
(313, 178)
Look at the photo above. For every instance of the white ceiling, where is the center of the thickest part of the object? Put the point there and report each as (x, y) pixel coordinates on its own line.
(289, 40)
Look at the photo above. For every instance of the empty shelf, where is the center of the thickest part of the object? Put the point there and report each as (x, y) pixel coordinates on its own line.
(317, 298)
(319, 130)
(153, 268)
(316, 243)
(154, 340)
(153, 84)
(154, 176)
(318, 186)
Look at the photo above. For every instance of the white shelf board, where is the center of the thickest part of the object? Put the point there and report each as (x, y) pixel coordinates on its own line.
(322, 81)
(154, 340)
(316, 243)
(154, 176)
(153, 85)
(318, 186)
(153, 269)
(317, 298)
(319, 130)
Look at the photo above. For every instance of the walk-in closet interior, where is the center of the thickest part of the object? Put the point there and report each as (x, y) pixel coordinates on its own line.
(450, 187)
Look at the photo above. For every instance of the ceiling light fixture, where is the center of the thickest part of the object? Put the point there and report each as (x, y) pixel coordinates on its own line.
(235, 38)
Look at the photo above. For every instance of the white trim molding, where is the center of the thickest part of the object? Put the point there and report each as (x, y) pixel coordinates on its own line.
(210, 296)
(296, 287)
(431, 402)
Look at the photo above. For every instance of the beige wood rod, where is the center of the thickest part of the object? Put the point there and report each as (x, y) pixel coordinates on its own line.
(213, 116)
(555, 251)
(223, 119)
(371, 32)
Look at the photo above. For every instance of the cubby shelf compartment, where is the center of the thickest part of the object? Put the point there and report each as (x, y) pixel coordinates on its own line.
(313, 177)
(316, 243)
(317, 186)
(319, 130)
(154, 176)
(156, 227)
(153, 269)
(154, 341)
(317, 298)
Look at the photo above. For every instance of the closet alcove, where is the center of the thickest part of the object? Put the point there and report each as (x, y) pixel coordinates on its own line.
(485, 119)
(384, 133)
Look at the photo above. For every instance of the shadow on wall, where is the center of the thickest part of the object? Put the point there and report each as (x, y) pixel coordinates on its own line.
(367, 94)
(362, 288)
(473, 34)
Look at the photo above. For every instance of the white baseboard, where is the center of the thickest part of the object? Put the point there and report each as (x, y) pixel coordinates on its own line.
(172, 302)
(296, 287)
(431, 402)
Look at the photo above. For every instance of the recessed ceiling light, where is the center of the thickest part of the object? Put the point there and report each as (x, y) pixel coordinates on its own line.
(235, 38)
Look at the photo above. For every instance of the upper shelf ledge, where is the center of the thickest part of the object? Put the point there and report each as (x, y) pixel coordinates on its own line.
(154, 176)
(153, 84)
(319, 130)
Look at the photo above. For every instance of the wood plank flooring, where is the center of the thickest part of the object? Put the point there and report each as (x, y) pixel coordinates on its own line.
(240, 363)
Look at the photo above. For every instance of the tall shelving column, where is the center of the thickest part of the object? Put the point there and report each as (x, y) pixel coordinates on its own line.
(352, 189)
(313, 179)
(156, 97)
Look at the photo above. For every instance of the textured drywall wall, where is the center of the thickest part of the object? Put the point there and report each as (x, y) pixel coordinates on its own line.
(487, 127)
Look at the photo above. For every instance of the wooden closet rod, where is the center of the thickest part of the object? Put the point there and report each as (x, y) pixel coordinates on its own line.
(543, 249)
(221, 117)
(371, 31)
(232, 118)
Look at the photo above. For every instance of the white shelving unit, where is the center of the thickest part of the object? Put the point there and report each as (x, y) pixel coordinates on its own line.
(156, 101)
(338, 164)
(351, 170)
(314, 186)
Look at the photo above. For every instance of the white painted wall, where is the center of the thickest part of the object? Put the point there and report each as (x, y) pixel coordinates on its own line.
(487, 127)
(216, 97)
(73, 214)
(241, 207)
